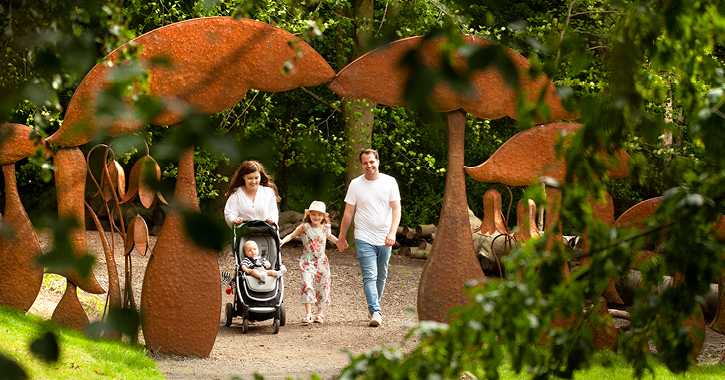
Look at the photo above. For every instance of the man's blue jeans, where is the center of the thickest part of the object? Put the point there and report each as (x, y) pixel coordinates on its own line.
(374, 267)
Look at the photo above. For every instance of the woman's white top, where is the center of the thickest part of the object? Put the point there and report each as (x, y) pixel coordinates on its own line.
(264, 206)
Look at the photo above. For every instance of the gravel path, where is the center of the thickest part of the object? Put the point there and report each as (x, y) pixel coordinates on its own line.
(298, 350)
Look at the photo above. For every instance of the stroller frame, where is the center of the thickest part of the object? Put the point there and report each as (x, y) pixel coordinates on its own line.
(255, 300)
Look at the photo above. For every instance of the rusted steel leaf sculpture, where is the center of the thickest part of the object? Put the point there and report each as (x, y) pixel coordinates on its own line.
(113, 181)
(380, 76)
(139, 180)
(20, 275)
(211, 64)
(137, 236)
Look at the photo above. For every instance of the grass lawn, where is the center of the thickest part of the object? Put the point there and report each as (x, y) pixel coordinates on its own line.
(80, 357)
(610, 366)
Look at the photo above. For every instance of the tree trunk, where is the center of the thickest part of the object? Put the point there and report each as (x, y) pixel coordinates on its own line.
(357, 113)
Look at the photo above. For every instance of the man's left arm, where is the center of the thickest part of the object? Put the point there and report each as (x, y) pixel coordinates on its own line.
(390, 239)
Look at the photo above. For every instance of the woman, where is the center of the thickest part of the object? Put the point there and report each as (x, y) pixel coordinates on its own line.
(252, 196)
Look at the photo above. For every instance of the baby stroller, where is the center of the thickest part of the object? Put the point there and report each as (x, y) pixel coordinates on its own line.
(255, 300)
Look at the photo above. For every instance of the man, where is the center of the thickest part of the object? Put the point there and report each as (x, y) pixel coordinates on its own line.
(374, 198)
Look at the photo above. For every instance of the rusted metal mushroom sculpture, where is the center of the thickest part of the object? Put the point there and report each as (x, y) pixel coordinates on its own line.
(527, 156)
(634, 217)
(20, 275)
(381, 77)
(212, 63)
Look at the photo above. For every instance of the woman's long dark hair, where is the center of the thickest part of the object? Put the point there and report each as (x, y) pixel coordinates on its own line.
(251, 166)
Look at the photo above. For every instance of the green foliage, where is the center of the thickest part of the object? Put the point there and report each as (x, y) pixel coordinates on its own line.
(622, 63)
(41, 349)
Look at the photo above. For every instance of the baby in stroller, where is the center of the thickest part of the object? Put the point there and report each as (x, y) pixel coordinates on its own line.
(252, 261)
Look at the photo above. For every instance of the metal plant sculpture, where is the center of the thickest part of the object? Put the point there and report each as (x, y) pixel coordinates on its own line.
(531, 154)
(380, 76)
(211, 64)
(20, 274)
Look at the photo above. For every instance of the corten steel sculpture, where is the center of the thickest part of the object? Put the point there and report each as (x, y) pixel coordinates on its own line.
(112, 179)
(20, 275)
(493, 220)
(634, 217)
(213, 62)
(526, 221)
(521, 161)
(380, 76)
(70, 184)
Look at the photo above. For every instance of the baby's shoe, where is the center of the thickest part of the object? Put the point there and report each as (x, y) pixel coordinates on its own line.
(262, 276)
(282, 270)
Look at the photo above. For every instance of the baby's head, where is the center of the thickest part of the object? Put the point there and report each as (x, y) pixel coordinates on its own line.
(250, 249)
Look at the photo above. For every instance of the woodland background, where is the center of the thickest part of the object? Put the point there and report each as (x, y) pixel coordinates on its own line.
(647, 76)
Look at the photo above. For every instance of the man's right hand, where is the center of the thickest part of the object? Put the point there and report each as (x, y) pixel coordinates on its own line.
(342, 244)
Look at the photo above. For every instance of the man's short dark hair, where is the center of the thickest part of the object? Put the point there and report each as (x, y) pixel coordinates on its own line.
(368, 151)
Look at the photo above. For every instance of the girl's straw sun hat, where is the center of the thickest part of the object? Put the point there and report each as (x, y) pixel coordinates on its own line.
(316, 206)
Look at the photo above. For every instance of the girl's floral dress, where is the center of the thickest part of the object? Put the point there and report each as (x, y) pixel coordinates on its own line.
(314, 265)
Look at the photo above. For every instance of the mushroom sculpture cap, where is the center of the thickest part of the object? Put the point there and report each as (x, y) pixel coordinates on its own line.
(380, 76)
(204, 65)
(17, 141)
(529, 154)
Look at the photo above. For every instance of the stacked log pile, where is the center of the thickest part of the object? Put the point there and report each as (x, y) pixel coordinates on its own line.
(415, 242)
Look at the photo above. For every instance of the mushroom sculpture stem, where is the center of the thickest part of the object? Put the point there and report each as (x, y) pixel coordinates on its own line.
(182, 316)
(440, 291)
(20, 275)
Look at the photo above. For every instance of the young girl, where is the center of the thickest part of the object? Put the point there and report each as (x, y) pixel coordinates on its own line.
(315, 230)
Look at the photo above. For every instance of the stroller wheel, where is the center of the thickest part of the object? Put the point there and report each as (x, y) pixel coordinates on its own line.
(245, 325)
(282, 315)
(275, 326)
(229, 315)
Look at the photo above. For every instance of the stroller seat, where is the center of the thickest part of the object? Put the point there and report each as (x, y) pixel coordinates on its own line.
(255, 300)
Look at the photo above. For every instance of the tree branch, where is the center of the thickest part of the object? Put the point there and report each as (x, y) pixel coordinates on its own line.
(312, 94)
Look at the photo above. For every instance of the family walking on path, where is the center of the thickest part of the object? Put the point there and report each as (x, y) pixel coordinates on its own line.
(374, 200)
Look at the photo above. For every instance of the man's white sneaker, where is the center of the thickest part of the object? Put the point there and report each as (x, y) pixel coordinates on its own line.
(376, 320)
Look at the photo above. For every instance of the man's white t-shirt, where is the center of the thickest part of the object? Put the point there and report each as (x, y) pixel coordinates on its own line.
(373, 213)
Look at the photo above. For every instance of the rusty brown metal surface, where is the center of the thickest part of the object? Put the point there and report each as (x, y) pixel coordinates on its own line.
(69, 312)
(213, 62)
(452, 259)
(530, 154)
(113, 181)
(493, 219)
(137, 236)
(603, 211)
(604, 337)
(138, 185)
(114, 287)
(380, 77)
(181, 295)
(70, 184)
(635, 215)
(20, 275)
(552, 225)
(526, 221)
(18, 141)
